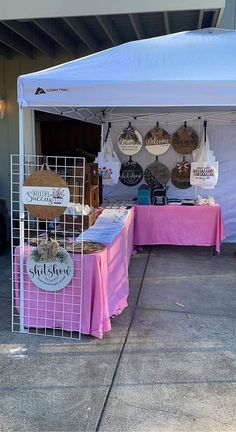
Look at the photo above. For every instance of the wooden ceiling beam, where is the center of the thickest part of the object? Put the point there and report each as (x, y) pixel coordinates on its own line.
(137, 25)
(81, 30)
(16, 43)
(5, 51)
(110, 30)
(53, 29)
(167, 23)
(32, 36)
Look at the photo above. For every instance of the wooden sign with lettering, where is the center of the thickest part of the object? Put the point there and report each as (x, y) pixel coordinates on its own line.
(156, 173)
(50, 274)
(180, 175)
(157, 141)
(130, 141)
(131, 173)
(45, 194)
(185, 140)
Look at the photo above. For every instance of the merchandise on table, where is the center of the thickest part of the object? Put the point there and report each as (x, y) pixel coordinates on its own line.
(210, 200)
(144, 195)
(188, 201)
(174, 201)
(159, 194)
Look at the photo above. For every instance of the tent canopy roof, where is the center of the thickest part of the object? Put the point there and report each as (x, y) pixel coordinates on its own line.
(187, 69)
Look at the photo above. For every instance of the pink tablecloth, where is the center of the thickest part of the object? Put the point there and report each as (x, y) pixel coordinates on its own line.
(179, 225)
(105, 290)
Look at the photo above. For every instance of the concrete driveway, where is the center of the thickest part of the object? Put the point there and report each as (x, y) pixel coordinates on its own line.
(169, 364)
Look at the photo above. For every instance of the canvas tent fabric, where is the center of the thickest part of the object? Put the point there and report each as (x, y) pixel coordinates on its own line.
(193, 68)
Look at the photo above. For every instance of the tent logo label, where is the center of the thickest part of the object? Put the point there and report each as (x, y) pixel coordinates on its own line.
(40, 90)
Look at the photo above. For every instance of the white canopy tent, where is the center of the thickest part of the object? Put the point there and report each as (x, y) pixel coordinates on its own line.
(188, 72)
(188, 69)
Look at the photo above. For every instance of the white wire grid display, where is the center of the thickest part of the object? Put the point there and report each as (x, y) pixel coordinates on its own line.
(34, 310)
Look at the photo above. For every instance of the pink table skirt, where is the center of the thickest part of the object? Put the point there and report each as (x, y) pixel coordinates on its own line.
(105, 290)
(179, 225)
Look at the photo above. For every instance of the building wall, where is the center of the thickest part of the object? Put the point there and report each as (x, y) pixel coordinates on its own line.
(228, 19)
(9, 71)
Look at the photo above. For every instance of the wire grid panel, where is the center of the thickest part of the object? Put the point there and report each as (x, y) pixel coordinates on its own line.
(34, 310)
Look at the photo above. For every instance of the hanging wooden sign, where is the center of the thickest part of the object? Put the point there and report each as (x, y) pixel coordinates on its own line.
(131, 173)
(130, 141)
(156, 173)
(45, 194)
(49, 266)
(157, 141)
(180, 175)
(185, 140)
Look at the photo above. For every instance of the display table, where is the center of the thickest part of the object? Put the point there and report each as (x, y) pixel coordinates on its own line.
(179, 225)
(105, 289)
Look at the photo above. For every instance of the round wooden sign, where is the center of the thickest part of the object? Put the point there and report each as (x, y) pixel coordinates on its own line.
(157, 141)
(51, 274)
(45, 194)
(180, 175)
(88, 247)
(156, 173)
(130, 141)
(131, 173)
(185, 140)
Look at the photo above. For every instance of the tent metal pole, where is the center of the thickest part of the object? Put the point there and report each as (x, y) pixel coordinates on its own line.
(21, 209)
(102, 136)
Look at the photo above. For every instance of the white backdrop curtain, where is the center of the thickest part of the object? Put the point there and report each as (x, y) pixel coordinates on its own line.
(222, 139)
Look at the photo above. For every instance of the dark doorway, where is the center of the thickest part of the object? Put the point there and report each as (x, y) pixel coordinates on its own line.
(61, 136)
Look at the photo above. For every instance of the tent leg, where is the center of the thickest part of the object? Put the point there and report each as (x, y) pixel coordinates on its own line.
(102, 136)
(21, 208)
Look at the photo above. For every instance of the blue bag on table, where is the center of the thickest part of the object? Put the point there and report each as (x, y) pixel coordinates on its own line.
(144, 195)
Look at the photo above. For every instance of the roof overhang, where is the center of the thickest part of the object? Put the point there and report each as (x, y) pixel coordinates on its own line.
(76, 28)
(28, 9)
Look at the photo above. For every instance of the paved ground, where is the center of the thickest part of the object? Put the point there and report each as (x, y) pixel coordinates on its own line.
(169, 365)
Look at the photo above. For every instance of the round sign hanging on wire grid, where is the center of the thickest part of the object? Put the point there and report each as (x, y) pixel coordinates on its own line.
(45, 194)
(51, 274)
(185, 140)
(156, 173)
(157, 141)
(130, 141)
(180, 175)
(131, 173)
